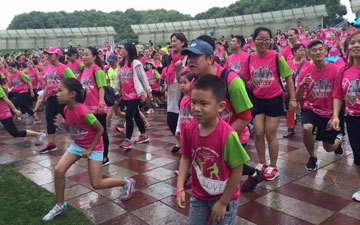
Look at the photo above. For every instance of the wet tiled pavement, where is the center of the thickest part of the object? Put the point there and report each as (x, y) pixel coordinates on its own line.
(296, 197)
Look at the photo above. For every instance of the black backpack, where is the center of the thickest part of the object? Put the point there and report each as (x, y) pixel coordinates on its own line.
(224, 76)
(110, 96)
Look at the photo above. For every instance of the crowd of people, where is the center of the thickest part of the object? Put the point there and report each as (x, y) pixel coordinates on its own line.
(216, 95)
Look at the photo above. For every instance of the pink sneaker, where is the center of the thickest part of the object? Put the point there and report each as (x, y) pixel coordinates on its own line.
(142, 139)
(261, 167)
(271, 173)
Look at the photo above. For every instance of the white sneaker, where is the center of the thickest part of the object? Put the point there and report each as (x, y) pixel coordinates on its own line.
(56, 211)
(40, 139)
(128, 189)
(150, 111)
(356, 196)
(261, 167)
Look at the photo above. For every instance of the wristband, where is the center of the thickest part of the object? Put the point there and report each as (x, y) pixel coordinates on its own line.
(178, 192)
(293, 99)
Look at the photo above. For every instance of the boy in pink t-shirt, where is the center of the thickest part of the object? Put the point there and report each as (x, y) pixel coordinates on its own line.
(213, 149)
(237, 59)
(315, 87)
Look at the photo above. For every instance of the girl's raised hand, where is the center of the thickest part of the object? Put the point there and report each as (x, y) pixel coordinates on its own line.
(59, 119)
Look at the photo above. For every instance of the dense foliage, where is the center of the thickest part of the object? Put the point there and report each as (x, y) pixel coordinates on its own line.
(121, 21)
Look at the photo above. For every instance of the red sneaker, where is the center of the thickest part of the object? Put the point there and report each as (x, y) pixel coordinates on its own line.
(261, 167)
(271, 173)
(142, 139)
(126, 144)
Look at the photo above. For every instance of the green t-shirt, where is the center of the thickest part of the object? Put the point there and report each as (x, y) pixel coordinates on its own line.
(111, 74)
(100, 79)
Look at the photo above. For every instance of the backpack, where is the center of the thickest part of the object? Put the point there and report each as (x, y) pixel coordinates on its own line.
(224, 76)
(109, 96)
(277, 70)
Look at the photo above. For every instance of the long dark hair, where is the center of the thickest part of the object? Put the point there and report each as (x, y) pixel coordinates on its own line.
(132, 54)
(95, 53)
(73, 84)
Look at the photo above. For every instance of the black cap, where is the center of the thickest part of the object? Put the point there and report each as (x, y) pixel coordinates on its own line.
(72, 51)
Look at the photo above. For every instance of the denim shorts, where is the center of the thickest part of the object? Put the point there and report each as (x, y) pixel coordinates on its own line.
(77, 150)
(200, 212)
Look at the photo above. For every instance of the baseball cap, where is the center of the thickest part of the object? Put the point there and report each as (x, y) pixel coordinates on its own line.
(199, 47)
(54, 50)
(72, 51)
(112, 58)
(150, 62)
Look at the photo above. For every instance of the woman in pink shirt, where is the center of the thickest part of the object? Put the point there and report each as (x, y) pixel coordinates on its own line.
(93, 80)
(132, 84)
(265, 76)
(347, 89)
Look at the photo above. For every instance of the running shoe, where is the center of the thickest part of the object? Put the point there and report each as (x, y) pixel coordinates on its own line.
(175, 149)
(151, 110)
(126, 144)
(106, 162)
(339, 151)
(128, 189)
(261, 167)
(48, 148)
(144, 138)
(312, 164)
(356, 196)
(251, 183)
(56, 211)
(40, 139)
(271, 173)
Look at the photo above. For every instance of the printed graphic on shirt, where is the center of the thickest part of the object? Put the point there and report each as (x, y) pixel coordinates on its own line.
(236, 66)
(77, 133)
(263, 76)
(87, 84)
(126, 75)
(16, 82)
(226, 114)
(186, 116)
(52, 79)
(322, 89)
(74, 70)
(353, 91)
(207, 170)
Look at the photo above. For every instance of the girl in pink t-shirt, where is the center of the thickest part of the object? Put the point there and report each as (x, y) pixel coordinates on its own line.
(347, 88)
(93, 80)
(335, 47)
(262, 71)
(86, 131)
(7, 121)
(153, 78)
(132, 84)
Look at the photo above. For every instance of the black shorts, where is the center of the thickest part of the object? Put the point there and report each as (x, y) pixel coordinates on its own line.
(157, 94)
(272, 107)
(319, 123)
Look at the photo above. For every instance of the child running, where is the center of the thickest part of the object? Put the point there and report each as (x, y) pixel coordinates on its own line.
(86, 131)
(213, 149)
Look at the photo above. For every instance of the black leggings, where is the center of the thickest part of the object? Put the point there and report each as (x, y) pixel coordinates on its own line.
(172, 119)
(102, 120)
(11, 128)
(132, 111)
(52, 108)
(23, 102)
(353, 130)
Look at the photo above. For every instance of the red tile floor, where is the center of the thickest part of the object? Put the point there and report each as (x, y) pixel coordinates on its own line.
(296, 197)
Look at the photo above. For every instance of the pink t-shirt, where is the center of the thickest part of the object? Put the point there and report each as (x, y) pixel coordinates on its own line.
(347, 88)
(248, 47)
(334, 48)
(158, 63)
(144, 59)
(92, 90)
(343, 36)
(126, 77)
(185, 112)
(326, 34)
(153, 82)
(211, 159)
(294, 67)
(74, 66)
(235, 62)
(263, 76)
(5, 112)
(305, 41)
(32, 74)
(220, 53)
(287, 53)
(283, 43)
(18, 84)
(81, 131)
(318, 94)
(53, 76)
(302, 35)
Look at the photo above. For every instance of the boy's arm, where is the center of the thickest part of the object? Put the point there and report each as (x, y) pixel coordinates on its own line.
(219, 209)
(183, 171)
